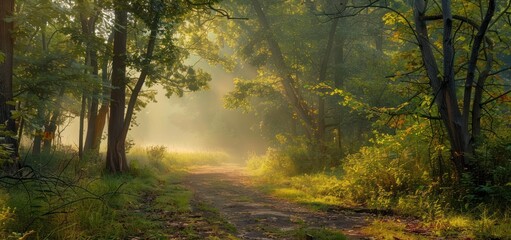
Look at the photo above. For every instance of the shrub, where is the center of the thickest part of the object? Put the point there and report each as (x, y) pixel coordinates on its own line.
(292, 158)
(396, 166)
(156, 152)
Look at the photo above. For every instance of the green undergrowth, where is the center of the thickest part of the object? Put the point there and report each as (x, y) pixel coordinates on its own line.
(317, 191)
(396, 176)
(59, 197)
(160, 156)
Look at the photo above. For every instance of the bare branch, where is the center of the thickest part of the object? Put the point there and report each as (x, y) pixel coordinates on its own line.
(495, 98)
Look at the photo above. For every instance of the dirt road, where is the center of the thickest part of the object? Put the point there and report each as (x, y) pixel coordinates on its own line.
(256, 215)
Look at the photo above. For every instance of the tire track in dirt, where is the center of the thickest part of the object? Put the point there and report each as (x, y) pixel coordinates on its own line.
(259, 216)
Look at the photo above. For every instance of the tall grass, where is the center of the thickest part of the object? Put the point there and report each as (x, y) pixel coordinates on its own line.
(398, 174)
(59, 197)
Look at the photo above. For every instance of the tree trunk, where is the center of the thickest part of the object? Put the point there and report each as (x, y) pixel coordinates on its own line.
(320, 135)
(36, 148)
(38, 137)
(143, 74)
(100, 126)
(93, 109)
(103, 111)
(291, 91)
(444, 89)
(51, 127)
(116, 156)
(339, 76)
(6, 74)
(49, 132)
(82, 126)
(21, 124)
(89, 31)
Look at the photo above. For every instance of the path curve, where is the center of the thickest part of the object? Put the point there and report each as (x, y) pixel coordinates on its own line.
(256, 215)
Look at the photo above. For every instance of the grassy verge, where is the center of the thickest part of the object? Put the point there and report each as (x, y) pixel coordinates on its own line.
(406, 216)
(61, 198)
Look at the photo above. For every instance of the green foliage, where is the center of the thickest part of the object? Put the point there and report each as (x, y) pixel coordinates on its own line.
(66, 199)
(303, 38)
(381, 172)
(291, 160)
(156, 153)
(7, 215)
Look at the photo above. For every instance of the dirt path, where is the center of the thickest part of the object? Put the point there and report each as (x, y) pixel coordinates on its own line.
(258, 216)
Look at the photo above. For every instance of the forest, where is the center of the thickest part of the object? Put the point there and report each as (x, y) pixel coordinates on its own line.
(255, 119)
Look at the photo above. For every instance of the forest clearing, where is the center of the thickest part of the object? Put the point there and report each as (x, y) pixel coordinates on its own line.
(255, 119)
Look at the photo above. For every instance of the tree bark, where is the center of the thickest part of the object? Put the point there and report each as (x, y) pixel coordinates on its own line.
(116, 161)
(339, 76)
(103, 111)
(444, 89)
(478, 98)
(89, 31)
(472, 64)
(322, 77)
(143, 74)
(51, 126)
(6, 74)
(81, 127)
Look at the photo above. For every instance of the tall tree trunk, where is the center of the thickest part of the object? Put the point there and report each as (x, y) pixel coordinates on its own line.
(38, 137)
(339, 76)
(6, 74)
(471, 69)
(93, 109)
(478, 98)
(103, 111)
(89, 31)
(322, 77)
(444, 89)
(116, 156)
(82, 126)
(291, 91)
(143, 74)
(82, 114)
(39, 133)
(51, 126)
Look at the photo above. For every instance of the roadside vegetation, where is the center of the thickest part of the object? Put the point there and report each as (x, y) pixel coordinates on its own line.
(61, 198)
(397, 108)
(396, 179)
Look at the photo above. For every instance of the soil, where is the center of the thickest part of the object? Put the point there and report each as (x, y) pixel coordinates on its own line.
(256, 215)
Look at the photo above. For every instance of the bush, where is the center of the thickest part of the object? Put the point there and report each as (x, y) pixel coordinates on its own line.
(292, 158)
(156, 153)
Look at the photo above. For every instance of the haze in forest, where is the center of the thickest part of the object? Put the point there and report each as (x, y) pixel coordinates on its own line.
(197, 121)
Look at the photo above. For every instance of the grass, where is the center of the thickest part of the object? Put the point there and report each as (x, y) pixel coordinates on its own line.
(321, 191)
(67, 199)
(160, 157)
(314, 190)
(214, 218)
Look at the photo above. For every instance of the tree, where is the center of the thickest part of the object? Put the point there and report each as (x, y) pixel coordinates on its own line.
(89, 14)
(116, 155)
(158, 16)
(456, 116)
(6, 74)
(299, 52)
(457, 56)
(48, 74)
